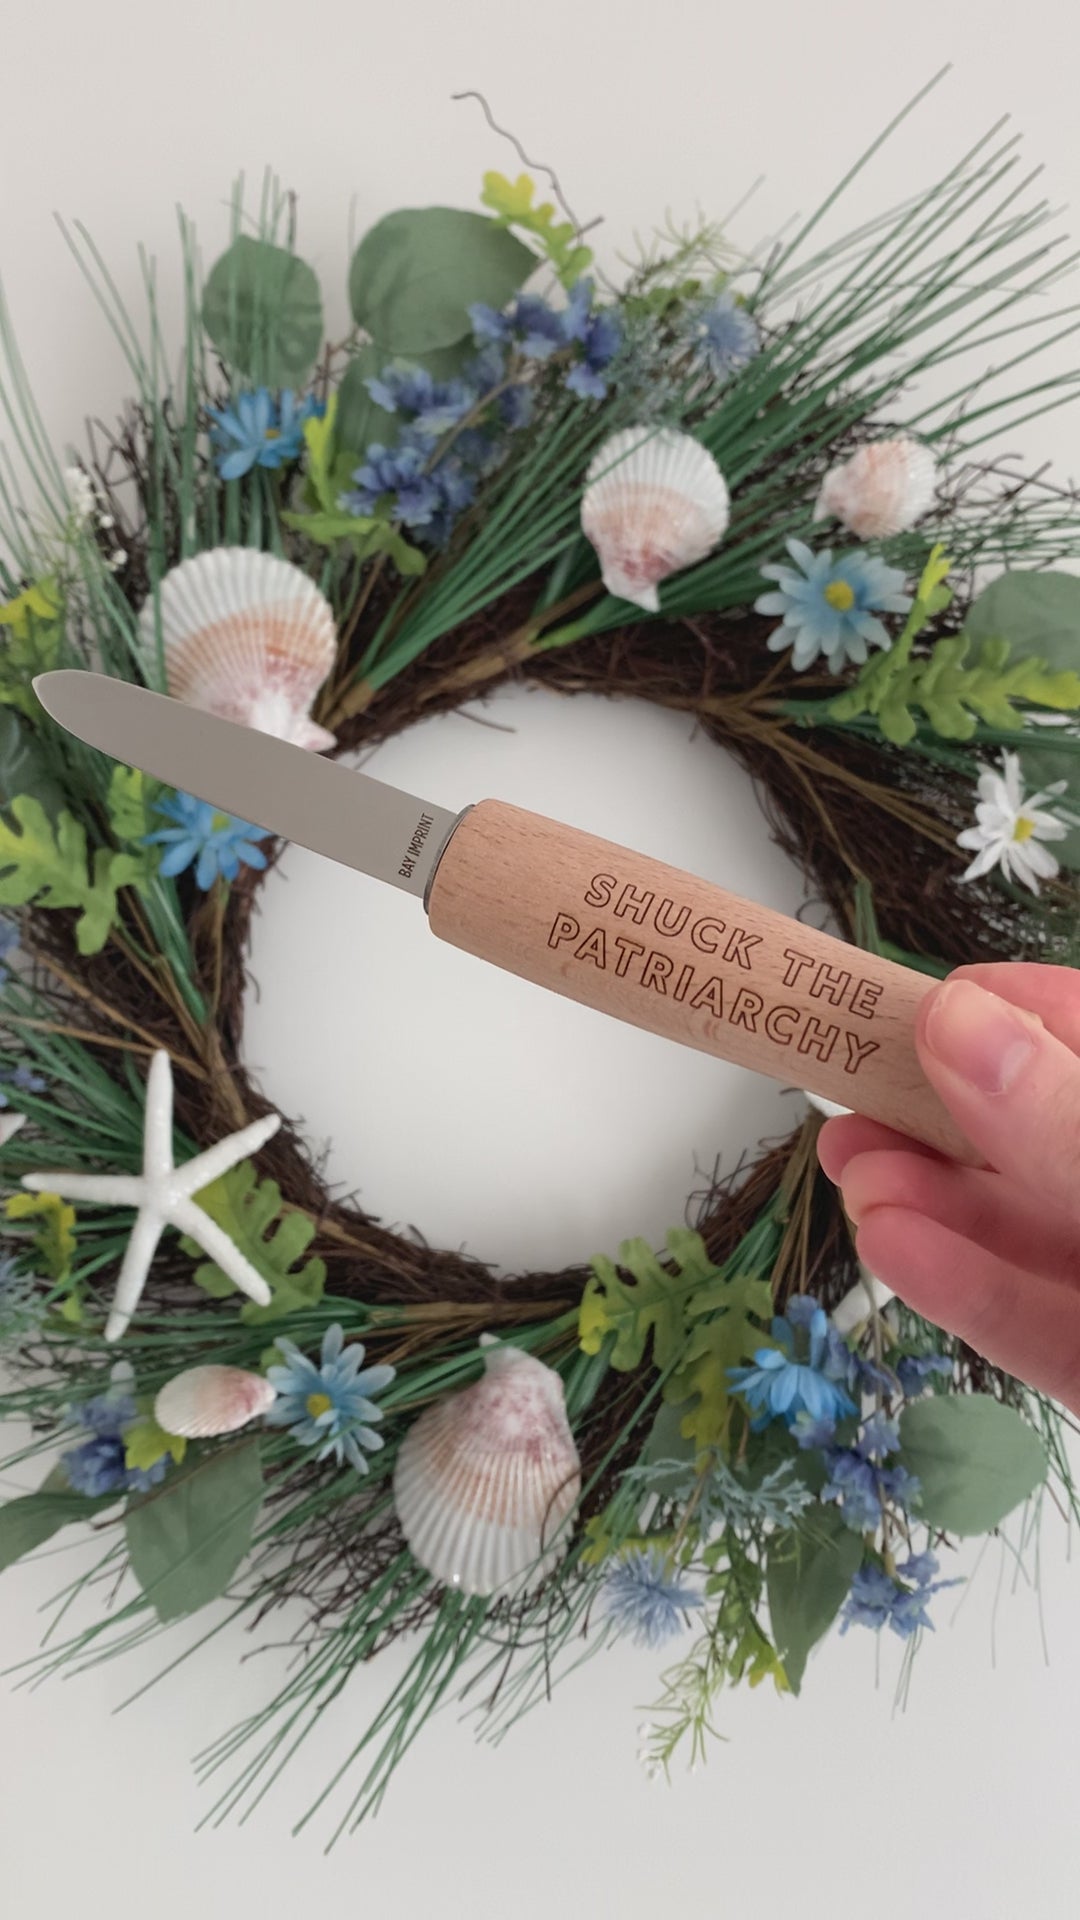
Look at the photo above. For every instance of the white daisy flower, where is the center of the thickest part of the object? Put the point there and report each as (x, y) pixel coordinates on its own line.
(1010, 830)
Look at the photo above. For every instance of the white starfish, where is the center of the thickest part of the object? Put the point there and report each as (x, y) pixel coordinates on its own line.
(161, 1195)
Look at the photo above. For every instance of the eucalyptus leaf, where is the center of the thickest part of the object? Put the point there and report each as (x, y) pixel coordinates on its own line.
(359, 420)
(808, 1578)
(1035, 612)
(187, 1537)
(976, 1460)
(28, 1522)
(262, 310)
(416, 273)
(24, 767)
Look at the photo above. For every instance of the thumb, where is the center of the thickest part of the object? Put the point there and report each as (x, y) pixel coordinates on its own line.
(1012, 1087)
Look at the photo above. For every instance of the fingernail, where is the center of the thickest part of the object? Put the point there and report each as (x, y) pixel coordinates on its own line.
(980, 1037)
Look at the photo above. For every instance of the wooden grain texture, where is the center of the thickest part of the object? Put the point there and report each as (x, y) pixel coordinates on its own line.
(664, 950)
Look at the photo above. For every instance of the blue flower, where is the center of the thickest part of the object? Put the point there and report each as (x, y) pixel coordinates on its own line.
(797, 1376)
(99, 1465)
(877, 1600)
(9, 940)
(216, 842)
(488, 325)
(812, 1435)
(646, 1599)
(860, 1483)
(23, 1079)
(727, 336)
(330, 1406)
(829, 606)
(259, 431)
(914, 1370)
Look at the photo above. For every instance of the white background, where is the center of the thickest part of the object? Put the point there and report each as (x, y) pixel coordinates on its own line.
(965, 1802)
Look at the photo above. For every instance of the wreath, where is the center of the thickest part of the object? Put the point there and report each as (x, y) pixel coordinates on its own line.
(756, 491)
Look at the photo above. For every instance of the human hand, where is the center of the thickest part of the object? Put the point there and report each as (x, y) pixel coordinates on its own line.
(991, 1253)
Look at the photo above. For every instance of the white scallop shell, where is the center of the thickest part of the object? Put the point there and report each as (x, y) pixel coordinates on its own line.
(204, 1401)
(487, 1478)
(883, 489)
(654, 502)
(246, 636)
(9, 1126)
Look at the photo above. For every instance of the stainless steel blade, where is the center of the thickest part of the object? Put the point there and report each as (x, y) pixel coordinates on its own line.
(348, 816)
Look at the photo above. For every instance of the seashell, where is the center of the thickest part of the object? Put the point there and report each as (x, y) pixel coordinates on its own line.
(9, 1126)
(883, 489)
(204, 1401)
(487, 1478)
(246, 636)
(654, 502)
(868, 1297)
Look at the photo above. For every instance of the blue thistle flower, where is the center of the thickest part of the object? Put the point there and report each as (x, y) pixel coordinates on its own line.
(727, 337)
(216, 843)
(646, 1598)
(830, 606)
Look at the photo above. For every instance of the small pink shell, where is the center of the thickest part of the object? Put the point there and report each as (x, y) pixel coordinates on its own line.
(248, 636)
(883, 489)
(655, 502)
(205, 1401)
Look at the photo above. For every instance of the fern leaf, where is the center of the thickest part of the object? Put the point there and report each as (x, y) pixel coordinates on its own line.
(648, 1304)
(725, 1339)
(247, 1209)
(48, 865)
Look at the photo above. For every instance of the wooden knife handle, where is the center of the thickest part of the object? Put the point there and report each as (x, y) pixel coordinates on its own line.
(664, 950)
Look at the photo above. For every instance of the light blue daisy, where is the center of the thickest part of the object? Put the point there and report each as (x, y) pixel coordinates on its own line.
(829, 605)
(330, 1406)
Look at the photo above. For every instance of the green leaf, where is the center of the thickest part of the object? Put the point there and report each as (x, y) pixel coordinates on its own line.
(31, 638)
(28, 1522)
(953, 693)
(360, 421)
(650, 1303)
(49, 867)
(187, 1537)
(247, 1208)
(54, 1231)
(699, 1320)
(262, 310)
(146, 1443)
(512, 202)
(130, 803)
(976, 1459)
(23, 766)
(808, 1579)
(1037, 613)
(724, 1339)
(365, 536)
(416, 273)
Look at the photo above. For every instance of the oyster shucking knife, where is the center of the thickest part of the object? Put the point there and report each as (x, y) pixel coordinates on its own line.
(614, 929)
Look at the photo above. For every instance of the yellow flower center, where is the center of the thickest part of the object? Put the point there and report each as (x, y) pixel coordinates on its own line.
(839, 595)
(1024, 828)
(272, 433)
(318, 1403)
